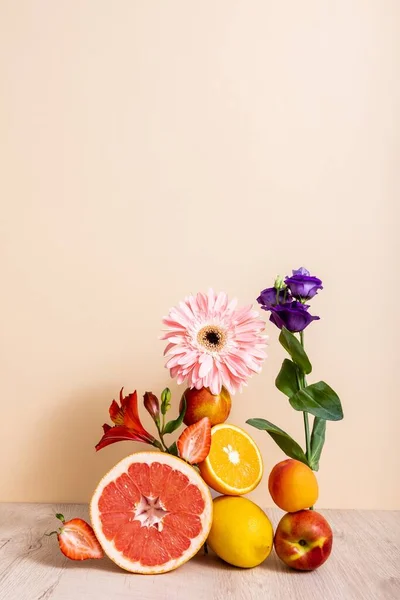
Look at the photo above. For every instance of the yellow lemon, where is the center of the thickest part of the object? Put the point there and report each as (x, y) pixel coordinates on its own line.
(241, 533)
(234, 465)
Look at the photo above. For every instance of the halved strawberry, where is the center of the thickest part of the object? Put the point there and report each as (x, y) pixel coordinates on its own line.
(77, 540)
(195, 441)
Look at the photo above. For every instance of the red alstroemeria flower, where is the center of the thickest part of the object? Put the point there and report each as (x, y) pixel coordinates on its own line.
(127, 423)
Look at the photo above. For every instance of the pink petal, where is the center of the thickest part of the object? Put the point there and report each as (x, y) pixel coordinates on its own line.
(172, 324)
(235, 364)
(215, 383)
(210, 300)
(246, 337)
(202, 302)
(188, 358)
(186, 310)
(168, 348)
(203, 357)
(173, 337)
(179, 317)
(178, 349)
(206, 365)
(232, 305)
(252, 364)
(221, 303)
(174, 361)
(260, 354)
(174, 371)
(250, 326)
(193, 305)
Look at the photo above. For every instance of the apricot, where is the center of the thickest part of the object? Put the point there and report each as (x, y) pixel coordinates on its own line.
(202, 403)
(293, 485)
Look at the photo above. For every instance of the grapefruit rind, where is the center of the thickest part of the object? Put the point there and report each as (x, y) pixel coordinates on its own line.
(122, 467)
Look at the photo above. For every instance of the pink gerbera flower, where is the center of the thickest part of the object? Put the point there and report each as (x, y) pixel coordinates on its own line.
(212, 344)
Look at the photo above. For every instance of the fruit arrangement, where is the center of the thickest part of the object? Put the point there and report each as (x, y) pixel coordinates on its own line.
(153, 511)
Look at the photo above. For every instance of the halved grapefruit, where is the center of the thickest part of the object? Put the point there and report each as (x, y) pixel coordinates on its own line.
(151, 513)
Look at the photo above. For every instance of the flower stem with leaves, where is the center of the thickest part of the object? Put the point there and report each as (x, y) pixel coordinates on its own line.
(289, 312)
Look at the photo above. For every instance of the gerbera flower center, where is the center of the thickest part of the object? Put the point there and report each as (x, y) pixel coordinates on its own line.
(212, 338)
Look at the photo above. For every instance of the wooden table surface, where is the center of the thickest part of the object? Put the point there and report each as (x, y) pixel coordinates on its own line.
(365, 564)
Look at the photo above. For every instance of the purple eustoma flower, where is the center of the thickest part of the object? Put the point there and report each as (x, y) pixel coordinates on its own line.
(302, 285)
(294, 316)
(271, 297)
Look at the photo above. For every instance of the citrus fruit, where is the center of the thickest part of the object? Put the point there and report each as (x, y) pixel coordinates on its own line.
(241, 533)
(293, 485)
(151, 513)
(202, 403)
(234, 464)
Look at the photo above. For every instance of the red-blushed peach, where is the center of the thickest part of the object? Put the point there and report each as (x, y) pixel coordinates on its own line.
(303, 540)
(293, 485)
(202, 403)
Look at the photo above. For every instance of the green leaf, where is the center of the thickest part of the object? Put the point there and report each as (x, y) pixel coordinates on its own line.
(173, 449)
(165, 400)
(296, 350)
(319, 400)
(288, 378)
(171, 426)
(283, 439)
(317, 442)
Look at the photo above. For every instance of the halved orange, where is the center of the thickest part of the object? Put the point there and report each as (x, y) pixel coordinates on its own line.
(234, 465)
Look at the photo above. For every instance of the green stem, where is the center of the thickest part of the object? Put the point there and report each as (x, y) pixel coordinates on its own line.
(305, 414)
(307, 434)
(303, 384)
(158, 445)
(302, 338)
(164, 446)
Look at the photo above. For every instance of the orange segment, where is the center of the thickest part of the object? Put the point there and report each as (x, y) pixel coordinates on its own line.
(234, 464)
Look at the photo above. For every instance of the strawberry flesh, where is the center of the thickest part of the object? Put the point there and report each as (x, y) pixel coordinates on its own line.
(77, 541)
(195, 441)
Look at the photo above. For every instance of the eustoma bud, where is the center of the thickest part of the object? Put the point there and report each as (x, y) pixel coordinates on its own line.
(152, 406)
(279, 283)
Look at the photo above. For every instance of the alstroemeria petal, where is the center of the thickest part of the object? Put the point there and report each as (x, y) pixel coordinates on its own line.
(127, 414)
(120, 434)
(130, 409)
(127, 423)
(116, 413)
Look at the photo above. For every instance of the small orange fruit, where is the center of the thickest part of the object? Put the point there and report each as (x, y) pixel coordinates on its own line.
(293, 485)
(234, 465)
(202, 403)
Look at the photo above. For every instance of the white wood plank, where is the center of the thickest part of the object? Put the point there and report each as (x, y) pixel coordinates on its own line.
(365, 565)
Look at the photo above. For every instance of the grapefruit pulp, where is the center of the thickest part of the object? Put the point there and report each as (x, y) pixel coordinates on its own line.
(151, 513)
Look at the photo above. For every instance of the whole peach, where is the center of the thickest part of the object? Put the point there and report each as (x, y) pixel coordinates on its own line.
(202, 403)
(293, 485)
(303, 540)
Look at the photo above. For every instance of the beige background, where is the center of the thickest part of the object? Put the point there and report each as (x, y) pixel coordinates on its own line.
(151, 149)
